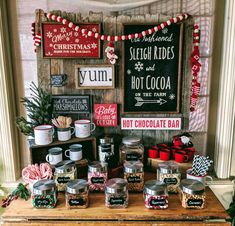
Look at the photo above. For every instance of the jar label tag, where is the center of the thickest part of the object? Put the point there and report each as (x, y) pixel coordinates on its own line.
(63, 180)
(170, 180)
(116, 201)
(157, 202)
(97, 180)
(42, 202)
(195, 202)
(136, 179)
(77, 202)
(132, 157)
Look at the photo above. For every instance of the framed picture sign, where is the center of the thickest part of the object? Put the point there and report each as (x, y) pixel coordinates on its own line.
(94, 76)
(152, 70)
(59, 41)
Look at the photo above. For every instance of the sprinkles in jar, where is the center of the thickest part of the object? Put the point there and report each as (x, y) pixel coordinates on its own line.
(97, 176)
(192, 194)
(168, 172)
(155, 195)
(44, 194)
(134, 175)
(116, 193)
(65, 171)
(77, 194)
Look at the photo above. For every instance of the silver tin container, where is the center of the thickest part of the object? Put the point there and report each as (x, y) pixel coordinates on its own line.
(155, 187)
(192, 187)
(116, 185)
(133, 167)
(96, 166)
(77, 186)
(43, 187)
(65, 166)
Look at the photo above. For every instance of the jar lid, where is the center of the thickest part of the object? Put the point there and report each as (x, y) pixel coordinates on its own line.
(55, 151)
(106, 140)
(131, 140)
(77, 186)
(43, 187)
(65, 166)
(169, 167)
(192, 187)
(133, 166)
(97, 166)
(116, 185)
(155, 187)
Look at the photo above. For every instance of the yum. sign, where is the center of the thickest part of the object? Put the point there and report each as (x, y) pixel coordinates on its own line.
(94, 76)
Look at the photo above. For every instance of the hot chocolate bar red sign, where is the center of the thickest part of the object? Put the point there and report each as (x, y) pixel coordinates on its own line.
(61, 41)
(105, 114)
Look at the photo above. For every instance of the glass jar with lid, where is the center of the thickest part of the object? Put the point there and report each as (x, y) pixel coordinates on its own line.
(106, 148)
(134, 175)
(44, 194)
(155, 195)
(168, 172)
(77, 194)
(97, 175)
(65, 171)
(192, 194)
(116, 193)
(131, 149)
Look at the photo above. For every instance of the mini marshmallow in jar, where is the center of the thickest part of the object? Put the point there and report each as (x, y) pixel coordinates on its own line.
(155, 195)
(134, 175)
(192, 194)
(97, 175)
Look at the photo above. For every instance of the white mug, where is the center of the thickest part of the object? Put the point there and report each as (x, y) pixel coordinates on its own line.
(64, 134)
(43, 134)
(74, 152)
(83, 128)
(54, 156)
(202, 179)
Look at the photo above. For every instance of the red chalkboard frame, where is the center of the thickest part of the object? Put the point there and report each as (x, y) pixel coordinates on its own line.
(69, 39)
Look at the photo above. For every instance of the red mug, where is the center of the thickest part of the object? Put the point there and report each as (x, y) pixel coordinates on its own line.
(190, 152)
(153, 152)
(165, 154)
(181, 156)
(174, 149)
(162, 145)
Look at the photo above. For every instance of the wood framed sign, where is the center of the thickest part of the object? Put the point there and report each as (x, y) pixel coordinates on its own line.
(94, 76)
(152, 70)
(151, 123)
(105, 115)
(71, 104)
(59, 41)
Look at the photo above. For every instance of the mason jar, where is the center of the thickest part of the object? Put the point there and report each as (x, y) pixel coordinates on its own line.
(116, 193)
(192, 194)
(77, 194)
(131, 149)
(97, 175)
(134, 175)
(65, 171)
(155, 195)
(105, 149)
(168, 172)
(44, 194)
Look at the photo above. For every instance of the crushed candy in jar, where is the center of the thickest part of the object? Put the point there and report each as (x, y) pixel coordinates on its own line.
(97, 176)
(134, 175)
(44, 194)
(192, 194)
(155, 195)
(116, 193)
(77, 194)
(168, 172)
(65, 171)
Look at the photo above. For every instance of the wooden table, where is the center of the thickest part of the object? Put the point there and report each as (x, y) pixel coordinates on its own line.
(21, 213)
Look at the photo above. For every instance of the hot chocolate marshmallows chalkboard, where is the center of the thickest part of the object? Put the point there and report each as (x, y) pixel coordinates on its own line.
(152, 70)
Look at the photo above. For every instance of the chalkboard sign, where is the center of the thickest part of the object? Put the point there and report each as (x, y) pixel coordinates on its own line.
(152, 70)
(71, 104)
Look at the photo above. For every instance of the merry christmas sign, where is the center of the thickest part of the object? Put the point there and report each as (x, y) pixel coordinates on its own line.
(61, 41)
(105, 114)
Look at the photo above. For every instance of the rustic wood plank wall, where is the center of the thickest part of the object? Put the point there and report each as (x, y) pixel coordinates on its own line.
(113, 25)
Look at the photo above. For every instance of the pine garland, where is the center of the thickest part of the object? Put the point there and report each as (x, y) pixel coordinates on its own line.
(38, 108)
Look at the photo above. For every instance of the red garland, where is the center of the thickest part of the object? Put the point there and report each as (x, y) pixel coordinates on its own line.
(36, 38)
(195, 65)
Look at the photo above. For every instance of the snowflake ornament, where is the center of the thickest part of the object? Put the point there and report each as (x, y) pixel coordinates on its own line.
(139, 66)
(63, 30)
(172, 96)
(49, 34)
(164, 31)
